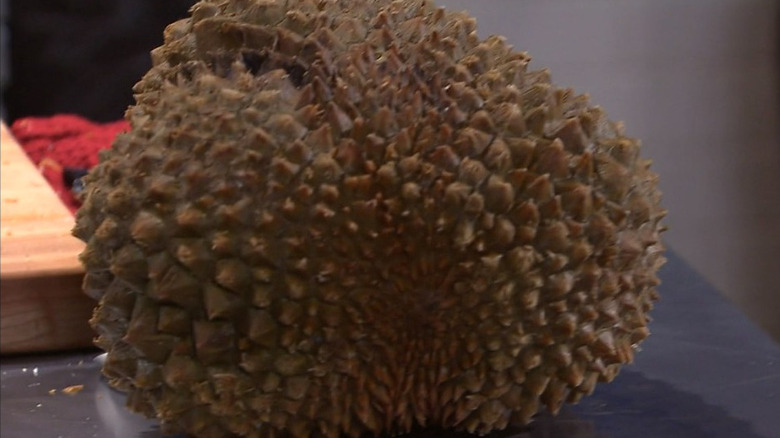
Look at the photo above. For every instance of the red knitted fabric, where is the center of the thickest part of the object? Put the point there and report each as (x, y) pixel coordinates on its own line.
(54, 143)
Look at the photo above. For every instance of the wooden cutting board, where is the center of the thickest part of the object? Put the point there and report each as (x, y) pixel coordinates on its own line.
(42, 307)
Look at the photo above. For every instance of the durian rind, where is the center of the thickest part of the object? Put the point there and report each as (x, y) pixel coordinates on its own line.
(341, 217)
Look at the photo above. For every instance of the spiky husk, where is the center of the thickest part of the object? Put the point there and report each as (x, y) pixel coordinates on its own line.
(340, 217)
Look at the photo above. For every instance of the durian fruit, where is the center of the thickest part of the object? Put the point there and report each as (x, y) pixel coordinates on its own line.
(339, 217)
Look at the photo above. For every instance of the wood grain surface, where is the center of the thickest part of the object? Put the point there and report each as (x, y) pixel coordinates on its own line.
(42, 307)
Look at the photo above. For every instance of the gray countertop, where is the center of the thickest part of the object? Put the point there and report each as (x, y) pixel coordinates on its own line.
(705, 371)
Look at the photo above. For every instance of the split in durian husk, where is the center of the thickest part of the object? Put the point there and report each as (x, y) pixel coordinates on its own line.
(348, 217)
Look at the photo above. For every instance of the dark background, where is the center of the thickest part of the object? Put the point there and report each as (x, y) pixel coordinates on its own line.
(81, 56)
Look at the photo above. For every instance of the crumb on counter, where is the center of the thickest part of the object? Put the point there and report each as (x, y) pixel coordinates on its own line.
(74, 389)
